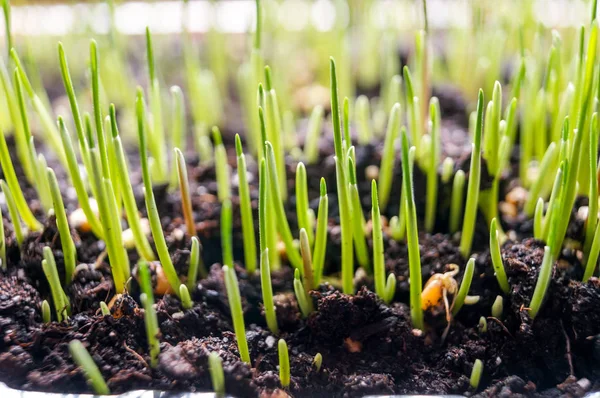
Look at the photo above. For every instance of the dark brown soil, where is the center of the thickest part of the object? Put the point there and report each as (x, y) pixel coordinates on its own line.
(367, 347)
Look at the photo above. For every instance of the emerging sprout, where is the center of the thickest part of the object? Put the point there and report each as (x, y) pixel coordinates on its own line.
(267, 225)
(306, 261)
(273, 124)
(386, 169)
(482, 326)
(46, 318)
(237, 314)
(465, 285)
(358, 222)
(196, 264)
(62, 305)
(542, 283)
(456, 202)
(447, 169)
(318, 361)
(84, 360)
(184, 187)
(321, 235)
(304, 301)
(178, 128)
(221, 166)
(498, 307)
(184, 294)
(217, 377)
(267, 292)
(245, 209)
(150, 319)
(432, 167)
(226, 238)
(384, 290)
(497, 258)
(104, 309)
(284, 363)
(302, 207)
(476, 374)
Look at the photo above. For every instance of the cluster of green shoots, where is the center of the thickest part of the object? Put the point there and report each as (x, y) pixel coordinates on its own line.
(565, 159)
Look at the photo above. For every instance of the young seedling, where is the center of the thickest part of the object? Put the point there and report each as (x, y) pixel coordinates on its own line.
(385, 291)
(284, 363)
(476, 374)
(217, 377)
(386, 169)
(274, 131)
(84, 360)
(311, 143)
(237, 314)
(184, 294)
(466, 239)
(62, 305)
(412, 236)
(497, 258)
(66, 240)
(304, 301)
(482, 326)
(498, 307)
(308, 279)
(104, 309)
(412, 109)
(592, 219)
(153, 216)
(184, 188)
(221, 166)
(465, 285)
(150, 318)
(267, 292)
(302, 207)
(122, 177)
(321, 234)
(358, 222)
(267, 225)
(318, 361)
(196, 265)
(447, 170)
(538, 219)
(245, 209)
(456, 202)
(226, 233)
(342, 188)
(432, 167)
(13, 212)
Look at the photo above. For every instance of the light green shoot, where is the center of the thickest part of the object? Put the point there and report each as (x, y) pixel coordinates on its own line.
(66, 240)
(498, 307)
(482, 326)
(592, 219)
(43, 186)
(274, 131)
(282, 222)
(470, 214)
(317, 361)
(150, 318)
(465, 285)
(398, 224)
(186, 300)
(385, 291)
(363, 120)
(342, 188)
(196, 265)
(98, 110)
(267, 292)
(245, 209)
(153, 216)
(447, 169)
(62, 306)
(84, 360)
(497, 258)
(226, 233)
(178, 128)
(542, 283)
(538, 219)
(311, 144)
(412, 236)
(46, 316)
(386, 169)
(476, 374)
(122, 179)
(237, 314)
(284, 363)
(358, 229)
(217, 377)
(321, 234)
(306, 261)
(302, 207)
(7, 24)
(104, 309)
(432, 167)
(184, 188)
(536, 191)
(267, 225)
(304, 301)
(13, 212)
(221, 166)
(412, 108)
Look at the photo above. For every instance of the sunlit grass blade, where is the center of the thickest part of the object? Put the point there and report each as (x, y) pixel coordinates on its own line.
(592, 218)
(245, 209)
(274, 131)
(284, 363)
(382, 290)
(13, 212)
(358, 221)
(100, 135)
(85, 361)
(497, 258)
(267, 292)
(321, 234)
(150, 318)
(432, 167)
(237, 315)
(465, 285)
(221, 166)
(537, 188)
(304, 300)
(215, 367)
(61, 302)
(542, 283)
(267, 225)
(302, 207)
(226, 233)
(184, 188)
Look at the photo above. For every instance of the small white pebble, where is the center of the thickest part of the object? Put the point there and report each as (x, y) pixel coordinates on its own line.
(372, 172)
(177, 316)
(582, 213)
(270, 341)
(178, 234)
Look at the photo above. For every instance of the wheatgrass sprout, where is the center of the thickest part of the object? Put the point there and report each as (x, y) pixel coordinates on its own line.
(284, 363)
(543, 282)
(184, 294)
(274, 131)
(311, 142)
(66, 240)
(447, 169)
(237, 314)
(497, 258)
(398, 223)
(84, 360)
(498, 307)
(13, 212)
(226, 233)
(157, 140)
(456, 201)
(221, 166)
(308, 277)
(46, 317)
(62, 306)
(245, 209)
(385, 291)
(592, 219)
(537, 188)
(321, 234)
(432, 167)
(412, 237)
(465, 285)
(217, 377)
(7, 24)
(386, 169)
(476, 374)
(196, 265)
(267, 225)
(304, 300)
(318, 361)
(98, 111)
(283, 226)
(267, 292)
(150, 318)
(412, 108)
(104, 309)
(482, 325)
(470, 214)
(153, 216)
(342, 188)
(184, 188)
(142, 244)
(358, 221)
(538, 219)
(302, 207)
